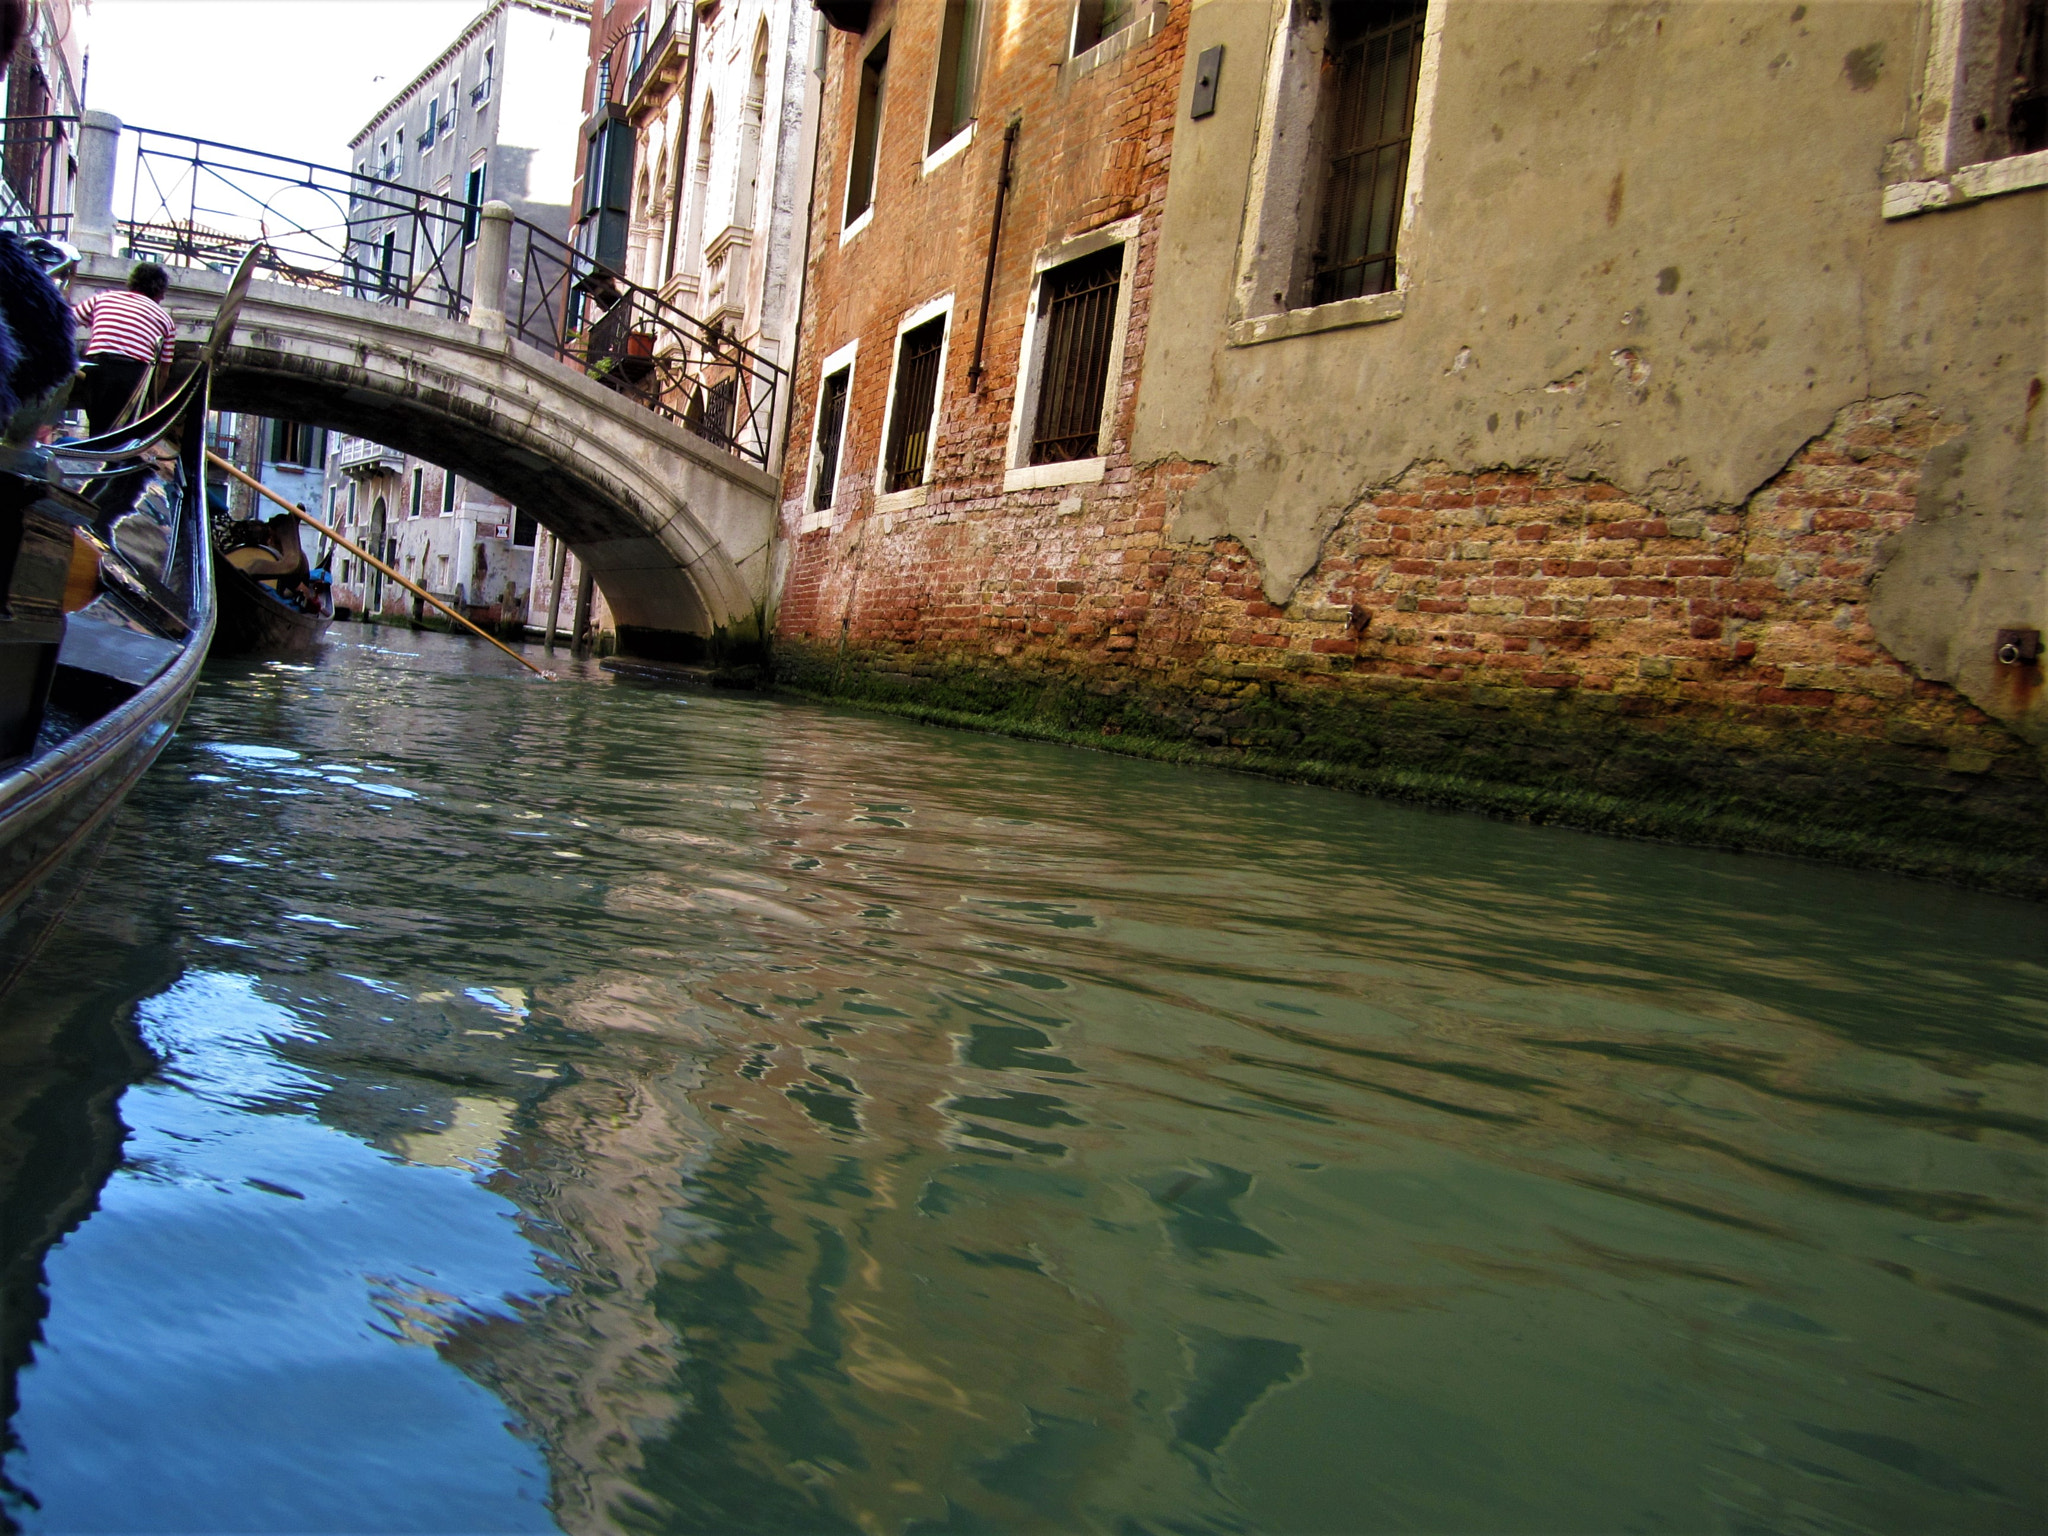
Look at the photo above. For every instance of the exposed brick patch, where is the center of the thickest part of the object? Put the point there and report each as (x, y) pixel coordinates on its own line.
(1475, 594)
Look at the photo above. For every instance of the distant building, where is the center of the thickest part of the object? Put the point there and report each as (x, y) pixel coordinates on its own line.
(470, 548)
(694, 172)
(288, 457)
(693, 181)
(490, 119)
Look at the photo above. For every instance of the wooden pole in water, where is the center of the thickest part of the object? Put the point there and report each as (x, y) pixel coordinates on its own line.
(555, 592)
(363, 554)
(585, 582)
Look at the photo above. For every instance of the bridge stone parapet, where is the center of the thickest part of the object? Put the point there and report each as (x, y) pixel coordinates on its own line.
(675, 529)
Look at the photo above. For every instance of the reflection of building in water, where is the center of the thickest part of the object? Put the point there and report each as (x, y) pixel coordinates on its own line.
(809, 1311)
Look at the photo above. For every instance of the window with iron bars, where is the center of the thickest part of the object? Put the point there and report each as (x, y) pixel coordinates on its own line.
(910, 417)
(1368, 119)
(831, 428)
(1077, 318)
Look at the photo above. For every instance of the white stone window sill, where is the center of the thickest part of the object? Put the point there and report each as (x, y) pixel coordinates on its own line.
(903, 501)
(1031, 477)
(949, 149)
(866, 218)
(1343, 314)
(1141, 29)
(1967, 184)
(813, 521)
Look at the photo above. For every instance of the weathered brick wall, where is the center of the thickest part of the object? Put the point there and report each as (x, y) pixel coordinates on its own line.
(1516, 639)
(1091, 150)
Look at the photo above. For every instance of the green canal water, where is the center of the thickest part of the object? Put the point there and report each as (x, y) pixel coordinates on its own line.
(600, 1107)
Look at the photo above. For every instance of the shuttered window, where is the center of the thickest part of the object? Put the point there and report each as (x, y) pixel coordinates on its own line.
(831, 426)
(1077, 316)
(1374, 50)
(910, 420)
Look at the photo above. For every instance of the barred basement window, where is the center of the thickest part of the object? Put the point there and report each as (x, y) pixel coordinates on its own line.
(831, 426)
(1077, 312)
(867, 133)
(1374, 51)
(910, 415)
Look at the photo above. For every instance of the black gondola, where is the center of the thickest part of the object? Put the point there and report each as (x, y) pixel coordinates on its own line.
(106, 610)
(254, 619)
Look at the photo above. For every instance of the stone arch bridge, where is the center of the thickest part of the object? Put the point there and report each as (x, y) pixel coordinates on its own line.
(675, 529)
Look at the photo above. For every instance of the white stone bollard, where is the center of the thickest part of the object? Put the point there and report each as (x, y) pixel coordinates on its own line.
(493, 259)
(92, 213)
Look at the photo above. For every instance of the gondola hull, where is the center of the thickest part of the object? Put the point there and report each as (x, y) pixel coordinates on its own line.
(110, 691)
(254, 621)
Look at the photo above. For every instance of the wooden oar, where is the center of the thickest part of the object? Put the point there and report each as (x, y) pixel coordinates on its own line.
(363, 554)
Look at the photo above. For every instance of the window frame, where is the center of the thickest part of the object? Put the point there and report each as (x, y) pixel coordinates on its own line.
(814, 516)
(850, 223)
(887, 500)
(1283, 205)
(1944, 163)
(447, 493)
(1019, 473)
(1081, 22)
(970, 44)
(474, 185)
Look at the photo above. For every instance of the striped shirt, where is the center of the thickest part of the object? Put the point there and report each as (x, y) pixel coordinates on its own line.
(127, 324)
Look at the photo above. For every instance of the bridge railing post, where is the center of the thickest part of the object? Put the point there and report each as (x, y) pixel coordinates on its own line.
(493, 266)
(92, 214)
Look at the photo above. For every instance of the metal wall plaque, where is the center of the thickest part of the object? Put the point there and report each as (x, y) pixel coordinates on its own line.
(1207, 68)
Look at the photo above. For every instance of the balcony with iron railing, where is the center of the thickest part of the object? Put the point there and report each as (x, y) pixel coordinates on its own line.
(661, 62)
(359, 458)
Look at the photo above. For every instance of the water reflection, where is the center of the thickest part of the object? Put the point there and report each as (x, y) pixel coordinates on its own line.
(658, 1112)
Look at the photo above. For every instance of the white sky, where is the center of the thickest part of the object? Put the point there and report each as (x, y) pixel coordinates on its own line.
(295, 77)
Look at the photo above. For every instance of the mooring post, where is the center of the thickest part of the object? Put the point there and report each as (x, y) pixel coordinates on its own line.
(555, 592)
(493, 266)
(92, 213)
(585, 583)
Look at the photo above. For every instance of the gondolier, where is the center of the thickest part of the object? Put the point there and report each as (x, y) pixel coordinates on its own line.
(128, 333)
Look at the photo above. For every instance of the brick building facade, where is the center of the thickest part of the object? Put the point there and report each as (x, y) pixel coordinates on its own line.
(1584, 500)
(976, 547)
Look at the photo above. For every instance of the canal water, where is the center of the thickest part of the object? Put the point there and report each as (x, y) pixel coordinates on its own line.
(605, 1107)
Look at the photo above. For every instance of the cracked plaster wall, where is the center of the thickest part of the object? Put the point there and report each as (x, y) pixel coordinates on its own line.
(1647, 249)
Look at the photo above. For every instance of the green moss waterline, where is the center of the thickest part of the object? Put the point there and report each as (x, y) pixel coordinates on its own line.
(1840, 800)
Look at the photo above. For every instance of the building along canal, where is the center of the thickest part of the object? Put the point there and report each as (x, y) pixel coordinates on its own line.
(599, 1106)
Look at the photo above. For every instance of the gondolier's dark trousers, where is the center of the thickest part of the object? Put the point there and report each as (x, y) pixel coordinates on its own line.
(105, 384)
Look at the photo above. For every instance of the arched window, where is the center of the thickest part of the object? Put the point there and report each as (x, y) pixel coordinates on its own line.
(747, 179)
(700, 190)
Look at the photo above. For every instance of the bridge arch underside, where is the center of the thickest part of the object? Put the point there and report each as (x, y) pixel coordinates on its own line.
(658, 603)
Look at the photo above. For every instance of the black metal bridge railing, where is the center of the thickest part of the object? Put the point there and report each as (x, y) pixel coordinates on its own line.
(199, 203)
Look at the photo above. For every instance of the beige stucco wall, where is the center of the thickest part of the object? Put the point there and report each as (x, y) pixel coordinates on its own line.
(1647, 248)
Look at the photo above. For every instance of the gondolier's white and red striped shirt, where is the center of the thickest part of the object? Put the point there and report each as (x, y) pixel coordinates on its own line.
(128, 325)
